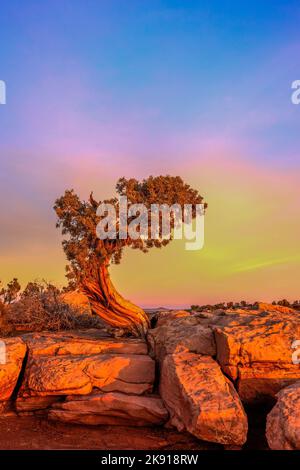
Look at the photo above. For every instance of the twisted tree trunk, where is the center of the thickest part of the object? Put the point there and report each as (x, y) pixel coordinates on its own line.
(106, 302)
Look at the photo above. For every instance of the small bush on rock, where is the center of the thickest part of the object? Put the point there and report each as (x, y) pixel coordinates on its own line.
(41, 307)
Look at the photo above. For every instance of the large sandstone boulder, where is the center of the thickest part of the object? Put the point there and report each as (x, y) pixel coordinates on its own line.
(183, 333)
(65, 375)
(111, 409)
(283, 422)
(255, 350)
(78, 363)
(201, 399)
(12, 357)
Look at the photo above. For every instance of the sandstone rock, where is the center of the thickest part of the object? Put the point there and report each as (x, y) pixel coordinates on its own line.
(201, 400)
(256, 350)
(69, 374)
(10, 370)
(82, 342)
(78, 300)
(111, 409)
(261, 382)
(283, 422)
(181, 334)
(3, 406)
(166, 316)
(275, 308)
(35, 403)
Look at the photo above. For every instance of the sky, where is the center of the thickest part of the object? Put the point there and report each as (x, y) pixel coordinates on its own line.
(100, 89)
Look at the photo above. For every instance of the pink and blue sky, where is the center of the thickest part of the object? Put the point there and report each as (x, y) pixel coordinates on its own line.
(101, 89)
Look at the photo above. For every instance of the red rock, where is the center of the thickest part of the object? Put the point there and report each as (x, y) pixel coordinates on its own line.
(111, 409)
(10, 371)
(275, 308)
(166, 316)
(82, 342)
(35, 403)
(78, 300)
(65, 375)
(283, 422)
(181, 334)
(201, 399)
(256, 351)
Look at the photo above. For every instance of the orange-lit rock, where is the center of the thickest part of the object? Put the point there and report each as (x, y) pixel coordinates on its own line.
(70, 374)
(111, 409)
(283, 422)
(82, 342)
(201, 399)
(275, 308)
(183, 333)
(166, 316)
(256, 350)
(78, 300)
(11, 365)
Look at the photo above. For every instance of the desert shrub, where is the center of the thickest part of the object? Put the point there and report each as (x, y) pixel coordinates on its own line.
(5, 327)
(284, 303)
(41, 307)
(10, 293)
(195, 308)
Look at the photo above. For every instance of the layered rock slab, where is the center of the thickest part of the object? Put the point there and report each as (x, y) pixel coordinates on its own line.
(78, 363)
(65, 375)
(201, 399)
(111, 409)
(283, 422)
(82, 342)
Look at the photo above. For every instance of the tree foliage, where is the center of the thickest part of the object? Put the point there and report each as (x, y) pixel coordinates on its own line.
(90, 256)
(78, 220)
(10, 293)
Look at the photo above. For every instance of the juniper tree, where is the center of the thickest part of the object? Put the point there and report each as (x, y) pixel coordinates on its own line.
(89, 256)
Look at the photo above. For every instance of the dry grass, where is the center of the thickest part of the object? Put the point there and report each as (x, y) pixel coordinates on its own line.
(42, 309)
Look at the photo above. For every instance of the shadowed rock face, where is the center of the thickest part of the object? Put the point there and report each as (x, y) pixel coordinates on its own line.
(31, 404)
(111, 409)
(201, 399)
(15, 351)
(283, 422)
